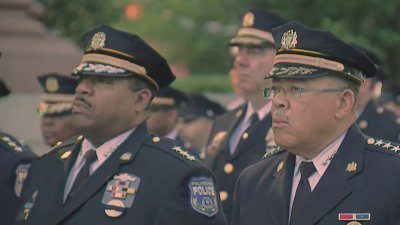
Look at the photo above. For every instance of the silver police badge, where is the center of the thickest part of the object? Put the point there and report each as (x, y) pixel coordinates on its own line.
(120, 193)
(203, 198)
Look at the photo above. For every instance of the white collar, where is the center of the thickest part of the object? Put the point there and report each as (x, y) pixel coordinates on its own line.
(106, 149)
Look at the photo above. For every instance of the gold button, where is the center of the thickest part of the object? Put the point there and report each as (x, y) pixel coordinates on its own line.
(245, 135)
(370, 141)
(228, 168)
(223, 195)
(363, 124)
(156, 139)
(380, 110)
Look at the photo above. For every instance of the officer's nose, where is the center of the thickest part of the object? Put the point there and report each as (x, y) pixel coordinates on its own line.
(84, 87)
(280, 101)
(241, 61)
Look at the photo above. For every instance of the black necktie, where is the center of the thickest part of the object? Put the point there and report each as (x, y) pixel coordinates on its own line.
(83, 174)
(303, 191)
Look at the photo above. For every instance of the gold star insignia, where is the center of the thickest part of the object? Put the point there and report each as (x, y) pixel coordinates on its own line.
(387, 145)
(379, 142)
(395, 149)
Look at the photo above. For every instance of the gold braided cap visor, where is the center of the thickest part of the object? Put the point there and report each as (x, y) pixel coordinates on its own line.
(161, 101)
(291, 65)
(252, 36)
(119, 63)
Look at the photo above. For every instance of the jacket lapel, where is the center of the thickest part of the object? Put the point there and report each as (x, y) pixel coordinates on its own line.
(333, 186)
(278, 196)
(106, 171)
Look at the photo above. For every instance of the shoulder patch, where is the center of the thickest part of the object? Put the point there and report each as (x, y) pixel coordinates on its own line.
(384, 145)
(203, 197)
(172, 148)
(275, 151)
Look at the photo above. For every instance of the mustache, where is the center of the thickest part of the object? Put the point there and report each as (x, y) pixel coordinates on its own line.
(82, 100)
(279, 114)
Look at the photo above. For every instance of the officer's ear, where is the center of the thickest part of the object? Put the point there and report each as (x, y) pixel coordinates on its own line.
(346, 103)
(143, 99)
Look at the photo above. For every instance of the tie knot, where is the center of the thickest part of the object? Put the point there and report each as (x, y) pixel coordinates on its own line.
(306, 169)
(90, 156)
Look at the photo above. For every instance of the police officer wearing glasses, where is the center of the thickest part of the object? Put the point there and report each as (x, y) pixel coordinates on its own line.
(325, 171)
(117, 172)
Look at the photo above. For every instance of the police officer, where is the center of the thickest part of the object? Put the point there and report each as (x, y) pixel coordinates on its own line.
(327, 171)
(55, 107)
(239, 137)
(166, 108)
(197, 120)
(374, 120)
(117, 173)
(15, 159)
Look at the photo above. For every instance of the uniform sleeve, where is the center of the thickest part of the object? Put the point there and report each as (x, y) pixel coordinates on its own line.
(193, 200)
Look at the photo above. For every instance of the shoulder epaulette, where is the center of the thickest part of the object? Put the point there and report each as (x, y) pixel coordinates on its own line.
(274, 151)
(170, 147)
(11, 143)
(384, 145)
(66, 143)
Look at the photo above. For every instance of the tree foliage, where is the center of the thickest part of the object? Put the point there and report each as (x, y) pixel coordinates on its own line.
(196, 32)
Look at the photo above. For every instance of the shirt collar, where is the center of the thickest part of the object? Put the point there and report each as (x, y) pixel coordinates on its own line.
(173, 134)
(106, 149)
(261, 112)
(324, 158)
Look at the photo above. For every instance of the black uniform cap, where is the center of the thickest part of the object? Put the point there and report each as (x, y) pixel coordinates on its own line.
(200, 106)
(256, 27)
(114, 53)
(304, 52)
(58, 93)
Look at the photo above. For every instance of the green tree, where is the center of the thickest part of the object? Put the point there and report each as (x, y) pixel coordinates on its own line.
(73, 17)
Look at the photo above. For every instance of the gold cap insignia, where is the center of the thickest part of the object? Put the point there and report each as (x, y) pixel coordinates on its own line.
(65, 155)
(114, 213)
(52, 84)
(98, 40)
(289, 40)
(351, 167)
(248, 19)
(280, 167)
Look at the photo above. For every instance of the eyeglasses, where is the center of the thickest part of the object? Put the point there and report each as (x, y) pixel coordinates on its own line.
(295, 92)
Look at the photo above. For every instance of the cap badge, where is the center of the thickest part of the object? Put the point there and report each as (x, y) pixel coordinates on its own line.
(289, 40)
(351, 167)
(52, 84)
(248, 20)
(98, 40)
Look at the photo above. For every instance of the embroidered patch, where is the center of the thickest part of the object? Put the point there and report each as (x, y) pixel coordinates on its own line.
(120, 193)
(202, 196)
(22, 173)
